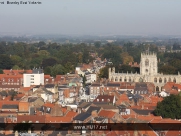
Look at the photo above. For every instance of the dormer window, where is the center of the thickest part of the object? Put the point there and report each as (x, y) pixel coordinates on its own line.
(48, 109)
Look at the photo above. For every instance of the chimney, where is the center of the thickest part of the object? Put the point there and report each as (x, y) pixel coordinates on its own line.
(29, 131)
(59, 134)
(94, 113)
(142, 106)
(16, 133)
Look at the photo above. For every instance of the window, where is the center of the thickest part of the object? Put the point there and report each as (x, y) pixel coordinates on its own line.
(97, 100)
(102, 100)
(155, 80)
(146, 62)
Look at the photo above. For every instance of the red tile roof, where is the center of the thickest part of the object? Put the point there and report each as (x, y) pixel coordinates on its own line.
(104, 98)
(106, 113)
(23, 106)
(71, 114)
(48, 104)
(58, 119)
(16, 72)
(26, 88)
(122, 98)
(33, 118)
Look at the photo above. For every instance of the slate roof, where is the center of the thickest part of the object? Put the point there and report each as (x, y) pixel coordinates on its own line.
(37, 86)
(5, 106)
(3, 93)
(84, 105)
(99, 118)
(105, 106)
(82, 116)
(46, 91)
(92, 108)
(49, 86)
(142, 112)
(32, 99)
(121, 106)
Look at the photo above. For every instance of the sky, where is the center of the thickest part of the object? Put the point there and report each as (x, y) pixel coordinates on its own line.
(92, 17)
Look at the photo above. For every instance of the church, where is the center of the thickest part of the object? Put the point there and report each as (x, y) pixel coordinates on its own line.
(148, 73)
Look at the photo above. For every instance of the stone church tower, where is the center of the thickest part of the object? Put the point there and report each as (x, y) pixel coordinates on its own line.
(148, 73)
(148, 64)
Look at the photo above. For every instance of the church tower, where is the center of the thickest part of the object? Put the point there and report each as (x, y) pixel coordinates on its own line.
(148, 64)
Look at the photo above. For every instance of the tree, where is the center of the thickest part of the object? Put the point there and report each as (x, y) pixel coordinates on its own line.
(5, 62)
(103, 72)
(48, 70)
(97, 44)
(167, 69)
(41, 43)
(13, 95)
(48, 62)
(84, 80)
(176, 46)
(1, 71)
(15, 67)
(43, 53)
(17, 60)
(170, 107)
(126, 58)
(126, 68)
(58, 70)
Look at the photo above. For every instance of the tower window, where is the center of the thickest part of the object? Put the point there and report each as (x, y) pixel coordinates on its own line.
(146, 70)
(146, 62)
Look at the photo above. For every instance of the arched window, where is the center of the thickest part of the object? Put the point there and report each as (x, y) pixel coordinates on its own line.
(125, 80)
(155, 80)
(129, 79)
(112, 79)
(140, 80)
(120, 79)
(116, 79)
(169, 80)
(160, 80)
(165, 80)
(174, 80)
(146, 62)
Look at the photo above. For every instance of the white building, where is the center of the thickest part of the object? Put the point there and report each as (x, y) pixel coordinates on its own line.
(148, 73)
(36, 78)
(90, 77)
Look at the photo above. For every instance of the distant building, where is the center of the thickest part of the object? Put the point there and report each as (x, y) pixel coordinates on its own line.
(36, 78)
(148, 73)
